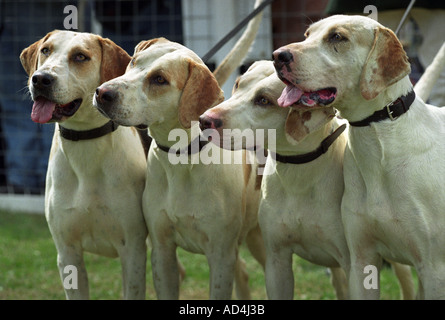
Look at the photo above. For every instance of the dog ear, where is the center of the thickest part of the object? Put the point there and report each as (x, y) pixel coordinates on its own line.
(386, 64)
(114, 60)
(300, 123)
(30, 56)
(201, 92)
(141, 46)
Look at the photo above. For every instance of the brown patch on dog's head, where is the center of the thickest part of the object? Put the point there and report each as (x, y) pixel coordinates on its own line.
(386, 64)
(300, 123)
(201, 92)
(114, 60)
(141, 46)
(30, 56)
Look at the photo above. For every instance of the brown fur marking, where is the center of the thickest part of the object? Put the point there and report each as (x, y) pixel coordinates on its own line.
(114, 60)
(389, 59)
(30, 56)
(201, 91)
(141, 46)
(295, 127)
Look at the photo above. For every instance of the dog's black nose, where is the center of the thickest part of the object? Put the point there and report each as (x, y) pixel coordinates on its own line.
(283, 56)
(42, 80)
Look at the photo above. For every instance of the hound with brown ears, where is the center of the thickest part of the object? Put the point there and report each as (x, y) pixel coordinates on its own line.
(393, 202)
(300, 207)
(96, 170)
(199, 207)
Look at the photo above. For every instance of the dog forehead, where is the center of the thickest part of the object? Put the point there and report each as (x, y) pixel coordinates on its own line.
(162, 52)
(62, 37)
(256, 74)
(265, 67)
(62, 41)
(351, 23)
(260, 79)
(274, 84)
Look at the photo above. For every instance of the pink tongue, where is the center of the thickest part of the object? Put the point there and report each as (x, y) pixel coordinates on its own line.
(289, 96)
(42, 110)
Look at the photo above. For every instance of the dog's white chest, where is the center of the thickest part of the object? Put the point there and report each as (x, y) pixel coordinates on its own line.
(188, 206)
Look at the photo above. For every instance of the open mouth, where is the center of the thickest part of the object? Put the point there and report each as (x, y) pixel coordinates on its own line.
(293, 95)
(44, 110)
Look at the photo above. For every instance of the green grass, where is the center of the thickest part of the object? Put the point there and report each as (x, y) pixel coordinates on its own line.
(28, 269)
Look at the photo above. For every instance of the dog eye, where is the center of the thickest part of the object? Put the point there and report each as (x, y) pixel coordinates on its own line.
(262, 101)
(336, 37)
(159, 80)
(80, 57)
(45, 51)
(132, 62)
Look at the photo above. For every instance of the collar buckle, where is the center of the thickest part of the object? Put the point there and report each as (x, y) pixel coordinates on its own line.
(390, 112)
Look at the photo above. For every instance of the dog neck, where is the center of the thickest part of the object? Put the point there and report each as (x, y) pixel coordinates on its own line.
(194, 147)
(288, 146)
(322, 145)
(172, 137)
(391, 111)
(357, 108)
(76, 135)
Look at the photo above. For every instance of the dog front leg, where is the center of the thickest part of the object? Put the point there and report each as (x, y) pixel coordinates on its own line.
(279, 275)
(431, 281)
(165, 271)
(364, 278)
(134, 261)
(364, 275)
(222, 267)
(73, 272)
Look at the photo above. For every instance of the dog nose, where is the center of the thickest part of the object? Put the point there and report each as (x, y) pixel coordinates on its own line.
(207, 122)
(282, 56)
(105, 95)
(42, 80)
